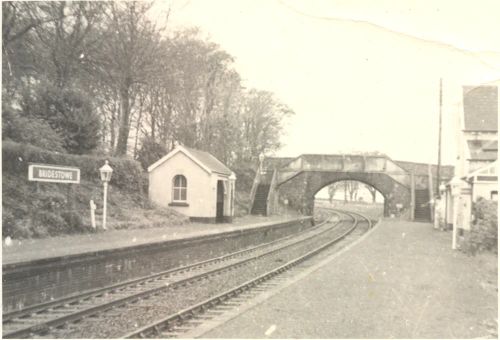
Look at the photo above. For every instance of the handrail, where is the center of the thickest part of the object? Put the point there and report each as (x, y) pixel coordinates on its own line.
(253, 191)
(272, 188)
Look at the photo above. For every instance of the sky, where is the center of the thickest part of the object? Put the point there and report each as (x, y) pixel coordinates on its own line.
(359, 75)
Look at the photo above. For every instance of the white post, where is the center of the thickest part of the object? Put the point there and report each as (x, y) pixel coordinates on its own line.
(455, 222)
(92, 213)
(455, 193)
(104, 205)
(437, 212)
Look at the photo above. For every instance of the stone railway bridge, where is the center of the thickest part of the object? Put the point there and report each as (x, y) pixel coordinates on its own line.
(283, 183)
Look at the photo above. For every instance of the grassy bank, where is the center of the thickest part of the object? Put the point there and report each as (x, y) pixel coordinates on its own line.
(38, 209)
(33, 209)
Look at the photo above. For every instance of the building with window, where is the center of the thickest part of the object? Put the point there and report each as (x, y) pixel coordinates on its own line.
(194, 183)
(476, 167)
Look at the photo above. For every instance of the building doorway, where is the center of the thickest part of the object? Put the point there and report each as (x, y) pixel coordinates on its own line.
(219, 216)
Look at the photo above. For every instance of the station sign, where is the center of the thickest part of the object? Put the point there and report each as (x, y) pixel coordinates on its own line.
(53, 173)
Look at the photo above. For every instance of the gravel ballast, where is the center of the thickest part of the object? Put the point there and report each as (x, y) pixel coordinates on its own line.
(123, 320)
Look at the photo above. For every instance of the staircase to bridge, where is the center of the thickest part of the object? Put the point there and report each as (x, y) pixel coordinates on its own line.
(259, 206)
(422, 206)
(295, 181)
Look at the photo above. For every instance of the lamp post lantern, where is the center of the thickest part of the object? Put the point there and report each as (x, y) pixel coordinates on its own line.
(106, 171)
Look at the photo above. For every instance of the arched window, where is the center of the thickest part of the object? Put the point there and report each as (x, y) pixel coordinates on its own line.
(179, 188)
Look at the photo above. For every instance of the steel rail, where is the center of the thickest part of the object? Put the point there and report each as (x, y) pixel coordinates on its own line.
(35, 309)
(47, 325)
(174, 319)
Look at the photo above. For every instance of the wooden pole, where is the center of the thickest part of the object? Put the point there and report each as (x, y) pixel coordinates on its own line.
(431, 193)
(412, 193)
(439, 135)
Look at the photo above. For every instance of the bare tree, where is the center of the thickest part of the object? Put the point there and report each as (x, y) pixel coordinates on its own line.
(262, 123)
(68, 39)
(129, 57)
(353, 187)
(332, 189)
(350, 190)
(372, 191)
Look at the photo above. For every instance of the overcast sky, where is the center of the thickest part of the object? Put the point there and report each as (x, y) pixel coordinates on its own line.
(359, 75)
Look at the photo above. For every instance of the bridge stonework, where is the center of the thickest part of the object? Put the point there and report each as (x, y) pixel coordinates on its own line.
(300, 190)
(295, 181)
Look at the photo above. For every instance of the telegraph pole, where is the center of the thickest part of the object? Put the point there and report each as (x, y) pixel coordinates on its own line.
(439, 135)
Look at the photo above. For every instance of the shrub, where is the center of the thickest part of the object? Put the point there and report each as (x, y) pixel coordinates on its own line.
(74, 222)
(32, 131)
(68, 111)
(51, 201)
(484, 229)
(8, 223)
(150, 152)
(48, 222)
(22, 229)
(126, 173)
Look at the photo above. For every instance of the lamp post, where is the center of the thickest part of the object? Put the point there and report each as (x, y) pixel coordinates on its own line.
(455, 192)
(106, 172)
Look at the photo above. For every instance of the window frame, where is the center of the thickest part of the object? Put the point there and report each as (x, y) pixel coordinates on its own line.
(494, 195)
(180, 189)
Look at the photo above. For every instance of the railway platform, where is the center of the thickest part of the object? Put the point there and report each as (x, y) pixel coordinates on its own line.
(402, 281)
(69, 245)
(39, 271)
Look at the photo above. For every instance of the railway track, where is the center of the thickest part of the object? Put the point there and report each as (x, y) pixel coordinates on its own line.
(180, 323)
(48, 318)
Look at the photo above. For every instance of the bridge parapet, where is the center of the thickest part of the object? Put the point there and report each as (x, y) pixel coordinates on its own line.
(344, 163)
(295, 181)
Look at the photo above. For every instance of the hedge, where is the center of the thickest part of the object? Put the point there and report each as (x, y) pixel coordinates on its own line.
(127, 173)
(484, 229)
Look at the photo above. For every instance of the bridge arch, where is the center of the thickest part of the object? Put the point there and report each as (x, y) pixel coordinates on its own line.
(299, 191)
(282, 181)
(340, 193)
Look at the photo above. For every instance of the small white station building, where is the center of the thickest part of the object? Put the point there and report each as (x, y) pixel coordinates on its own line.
(194, 183)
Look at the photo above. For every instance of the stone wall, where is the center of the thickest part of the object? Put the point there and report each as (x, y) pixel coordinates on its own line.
(39, 281)
(301, 189)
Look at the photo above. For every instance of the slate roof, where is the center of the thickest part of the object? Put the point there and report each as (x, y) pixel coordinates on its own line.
(205, 160)
(491, 146)
(482, 150)
(422, 169)
(209, 161)
(480, 108)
